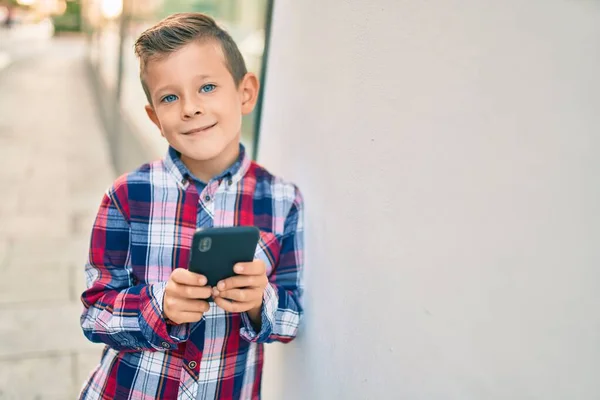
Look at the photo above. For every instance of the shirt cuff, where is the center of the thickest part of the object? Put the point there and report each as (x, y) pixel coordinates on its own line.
(269, 308)
(162, 336)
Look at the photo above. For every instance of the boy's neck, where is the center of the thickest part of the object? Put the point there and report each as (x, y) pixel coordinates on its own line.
(205, 170)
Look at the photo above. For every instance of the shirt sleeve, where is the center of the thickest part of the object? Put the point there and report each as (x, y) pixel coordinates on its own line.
(282, 310)
(117, 312)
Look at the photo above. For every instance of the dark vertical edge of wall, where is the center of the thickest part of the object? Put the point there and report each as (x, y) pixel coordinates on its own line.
(263, 77)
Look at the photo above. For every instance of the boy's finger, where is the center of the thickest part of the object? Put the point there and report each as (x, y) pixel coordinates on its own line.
(179, 304)
(185, 277)
(195, 306)
(256, 267)
(193, 292)
(240, 281)
(240, 295)
(230, 306)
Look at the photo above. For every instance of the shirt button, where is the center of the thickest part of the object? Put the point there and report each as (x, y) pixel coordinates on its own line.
(166, 345)
(192, 364)
(229, 181)
(207, 198)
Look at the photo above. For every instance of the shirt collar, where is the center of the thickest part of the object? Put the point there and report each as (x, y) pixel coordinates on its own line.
(183, 175)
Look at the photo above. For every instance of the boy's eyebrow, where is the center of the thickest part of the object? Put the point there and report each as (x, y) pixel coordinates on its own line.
(161, 89)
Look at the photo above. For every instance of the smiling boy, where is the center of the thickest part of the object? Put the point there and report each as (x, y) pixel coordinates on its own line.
(164, 340)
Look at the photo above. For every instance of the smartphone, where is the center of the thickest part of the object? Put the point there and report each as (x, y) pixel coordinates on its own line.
(215, 251)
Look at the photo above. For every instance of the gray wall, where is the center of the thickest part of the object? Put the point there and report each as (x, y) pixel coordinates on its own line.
(448, 151)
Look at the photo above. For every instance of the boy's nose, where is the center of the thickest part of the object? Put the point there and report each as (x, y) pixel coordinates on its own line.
(191, 109)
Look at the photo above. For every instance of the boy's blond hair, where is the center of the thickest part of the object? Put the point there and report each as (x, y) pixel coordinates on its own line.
(181, 29)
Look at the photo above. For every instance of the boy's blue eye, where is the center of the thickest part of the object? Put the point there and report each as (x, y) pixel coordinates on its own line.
(208, 88)
(169, 98)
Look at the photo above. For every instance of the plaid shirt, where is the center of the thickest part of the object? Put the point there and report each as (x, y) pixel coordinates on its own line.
(143, 231)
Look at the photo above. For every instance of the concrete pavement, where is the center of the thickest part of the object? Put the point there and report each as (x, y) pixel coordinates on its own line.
(54, 168)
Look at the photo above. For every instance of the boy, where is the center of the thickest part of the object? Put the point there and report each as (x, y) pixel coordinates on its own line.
(164, 340)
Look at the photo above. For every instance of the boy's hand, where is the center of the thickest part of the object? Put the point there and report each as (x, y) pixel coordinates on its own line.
(182, 302)
(243, 293)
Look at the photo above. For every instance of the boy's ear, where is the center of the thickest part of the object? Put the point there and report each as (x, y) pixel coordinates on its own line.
(152, 115)
(248, 89)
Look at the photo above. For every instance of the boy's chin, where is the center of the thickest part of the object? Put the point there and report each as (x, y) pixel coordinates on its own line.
(205, 149)
(206, 153)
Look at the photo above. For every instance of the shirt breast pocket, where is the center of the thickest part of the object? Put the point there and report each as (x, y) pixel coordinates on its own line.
(268, 250)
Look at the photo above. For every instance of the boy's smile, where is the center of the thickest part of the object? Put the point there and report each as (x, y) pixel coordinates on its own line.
(197, 106)
(200, 130)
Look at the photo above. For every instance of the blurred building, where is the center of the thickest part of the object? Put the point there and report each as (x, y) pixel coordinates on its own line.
(64, 14)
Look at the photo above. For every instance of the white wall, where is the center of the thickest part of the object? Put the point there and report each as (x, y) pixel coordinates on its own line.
(448, 151)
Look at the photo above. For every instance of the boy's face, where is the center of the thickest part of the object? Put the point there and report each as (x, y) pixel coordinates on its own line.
(196, 104)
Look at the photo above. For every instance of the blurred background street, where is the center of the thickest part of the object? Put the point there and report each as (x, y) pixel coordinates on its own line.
(54, 167)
